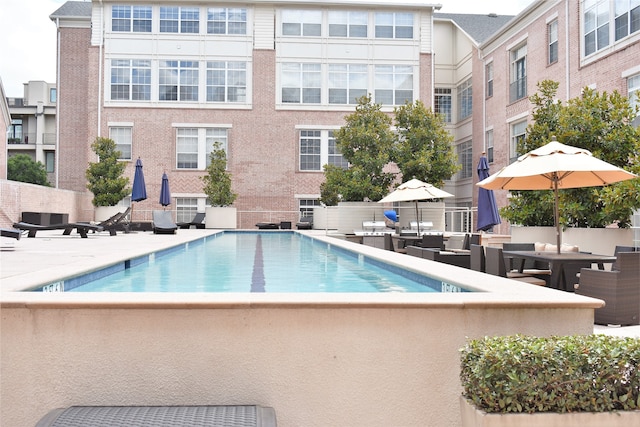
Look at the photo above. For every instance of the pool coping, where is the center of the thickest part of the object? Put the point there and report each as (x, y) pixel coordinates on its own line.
(99, 251)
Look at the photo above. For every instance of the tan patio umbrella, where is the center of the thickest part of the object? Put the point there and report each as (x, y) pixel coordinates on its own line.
(415, 190)
(552, 167)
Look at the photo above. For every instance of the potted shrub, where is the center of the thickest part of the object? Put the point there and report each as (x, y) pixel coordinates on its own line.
(105, 178)
(217, 187)
(591, 380)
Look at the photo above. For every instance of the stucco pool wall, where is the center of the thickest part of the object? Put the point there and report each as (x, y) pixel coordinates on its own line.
(318, 359)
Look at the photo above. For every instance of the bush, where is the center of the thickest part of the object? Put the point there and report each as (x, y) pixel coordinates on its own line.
(593, 373)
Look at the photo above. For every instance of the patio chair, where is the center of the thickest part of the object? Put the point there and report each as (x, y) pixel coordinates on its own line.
(152, 416)
(530, 267)
(305, 223)
(112, 223)
(477, 261)
(163, 223)
(10, 233)
(432, 241)
(197, 221)
(446, 257)
(495, 265)
(619, 249)
(619, 289)
(82, 228)
(388, 244)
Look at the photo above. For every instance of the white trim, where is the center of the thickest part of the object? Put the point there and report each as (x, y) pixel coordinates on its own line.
(517, 117)
(201, 125)
(551, 18)
(631, 72)
(517, 42)
(318, 127)
(306, 196)
(119, 124)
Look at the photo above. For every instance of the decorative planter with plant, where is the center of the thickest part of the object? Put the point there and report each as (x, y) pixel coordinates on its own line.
(217, 187)
(105, 177)
(518, 380)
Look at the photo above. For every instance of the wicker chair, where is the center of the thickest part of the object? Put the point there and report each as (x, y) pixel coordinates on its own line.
(477, 258)
(495, 265)
(620, 290)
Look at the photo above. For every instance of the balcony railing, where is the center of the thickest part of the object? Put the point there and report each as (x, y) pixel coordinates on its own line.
(518, 89)
(30, 138)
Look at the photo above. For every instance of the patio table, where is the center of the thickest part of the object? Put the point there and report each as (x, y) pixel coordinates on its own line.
(558, 262)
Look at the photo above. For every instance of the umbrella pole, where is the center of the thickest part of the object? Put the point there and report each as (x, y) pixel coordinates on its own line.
(417, 219)
(556, 213)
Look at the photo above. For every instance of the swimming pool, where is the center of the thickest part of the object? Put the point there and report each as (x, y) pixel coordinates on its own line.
(241, 261)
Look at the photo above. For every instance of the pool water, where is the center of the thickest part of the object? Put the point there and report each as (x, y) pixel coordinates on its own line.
(254, 262)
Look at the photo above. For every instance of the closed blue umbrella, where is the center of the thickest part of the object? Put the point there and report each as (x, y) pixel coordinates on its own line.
(139, 191)
(165, 194)
(488, 215)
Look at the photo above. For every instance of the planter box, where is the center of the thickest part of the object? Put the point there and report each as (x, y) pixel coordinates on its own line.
(221, 217)
(472, 417)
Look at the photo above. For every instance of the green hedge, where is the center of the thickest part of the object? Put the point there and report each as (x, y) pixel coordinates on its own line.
(593, 373)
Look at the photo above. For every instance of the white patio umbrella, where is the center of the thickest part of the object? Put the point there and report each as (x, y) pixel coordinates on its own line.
(555, 166)
(415, 190)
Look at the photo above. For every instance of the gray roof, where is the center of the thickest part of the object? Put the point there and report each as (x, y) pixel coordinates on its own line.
(479, 27)
(73, 9)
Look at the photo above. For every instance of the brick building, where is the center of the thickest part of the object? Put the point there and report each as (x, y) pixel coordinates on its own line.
(271, 80)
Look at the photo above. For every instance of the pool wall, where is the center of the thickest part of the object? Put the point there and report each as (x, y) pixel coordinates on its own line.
(318, 359)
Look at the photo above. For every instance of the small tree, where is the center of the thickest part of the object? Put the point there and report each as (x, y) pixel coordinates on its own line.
(217, 181)
(366, 142)
(425, 148)
(23, 168)
(105, 176)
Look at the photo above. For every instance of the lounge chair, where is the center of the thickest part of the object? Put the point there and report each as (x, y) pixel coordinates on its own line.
(163, 223)
(112, 223)
(197, 221)
(82, 228)
(10, 233)
(305, 223)
(495, 265)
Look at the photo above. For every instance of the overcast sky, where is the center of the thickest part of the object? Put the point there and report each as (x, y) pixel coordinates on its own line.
(28, 47)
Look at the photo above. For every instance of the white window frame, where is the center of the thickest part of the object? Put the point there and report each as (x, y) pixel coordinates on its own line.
(489, 78)
(186, 20)
(552, 41)
(194, 143)
(348, 24)
(465, 99)
(306, 205)
(442, 102)
(347, 83)
(465, 159)
(186, 208)
(518, 131)
(138, 19)
(303, 80)
(324, 152)
(489, 145)
(227, 20)
(181, 78)
(393, 80)
(130, 80)
(518, 73)
(122, 135)
(596, 26)
(394, 25)
(232, 76)
(301, 23)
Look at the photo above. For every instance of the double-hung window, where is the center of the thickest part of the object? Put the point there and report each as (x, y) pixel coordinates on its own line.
(389, 25)
(347, 24)
(465, 154)
(222, 20)
(318, 148)
(393, 84)
(122, 136)
(627, 17)
(194, 146)
(347, 83)
(178, 81)
(489, 145)
(301, 83)
(518, 134)
(518, 86)
(306, 23)
(596, 25)
(135, 19)
(175, 19)
(633, 85)
(130, 80)
(488, 69)
(465, 99)
(226, 81)
(552, 35)
(442, 103)
(186, 208)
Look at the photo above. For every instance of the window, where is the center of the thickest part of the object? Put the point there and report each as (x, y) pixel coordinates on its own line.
(180, 20)
(50, 161)
(596, 25)
(393, 84)
(221, 20)
(53, 95)
(489, 75)
(14, 136)
(194, 145)
(442, 103)
(347, 24)
(178, 81)
(135, 19)
(394, 25)
(627, 17)
(347, 83)
(301, 83)
(552, 34)
(633, 84)
(489, 145)
(130, 80)
(186, 208)
(122, 137)
(465, 100)
(306, 206)
(307, 23)
(518, 86)
(518, 134)
(226, 81)
(465, 159)
(318, 148)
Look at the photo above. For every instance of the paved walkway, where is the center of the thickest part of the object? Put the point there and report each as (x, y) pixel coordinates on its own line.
(50, 256)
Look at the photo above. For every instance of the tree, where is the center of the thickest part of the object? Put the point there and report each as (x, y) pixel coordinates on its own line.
(367, 143)
(424, 147)
(600, 123)
(105, 176)
(23, 168)
(217, 181)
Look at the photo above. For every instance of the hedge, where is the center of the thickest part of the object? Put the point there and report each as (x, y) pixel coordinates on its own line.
(592, 373)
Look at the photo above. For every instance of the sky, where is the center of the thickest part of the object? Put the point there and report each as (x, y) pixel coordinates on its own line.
(28, 47)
